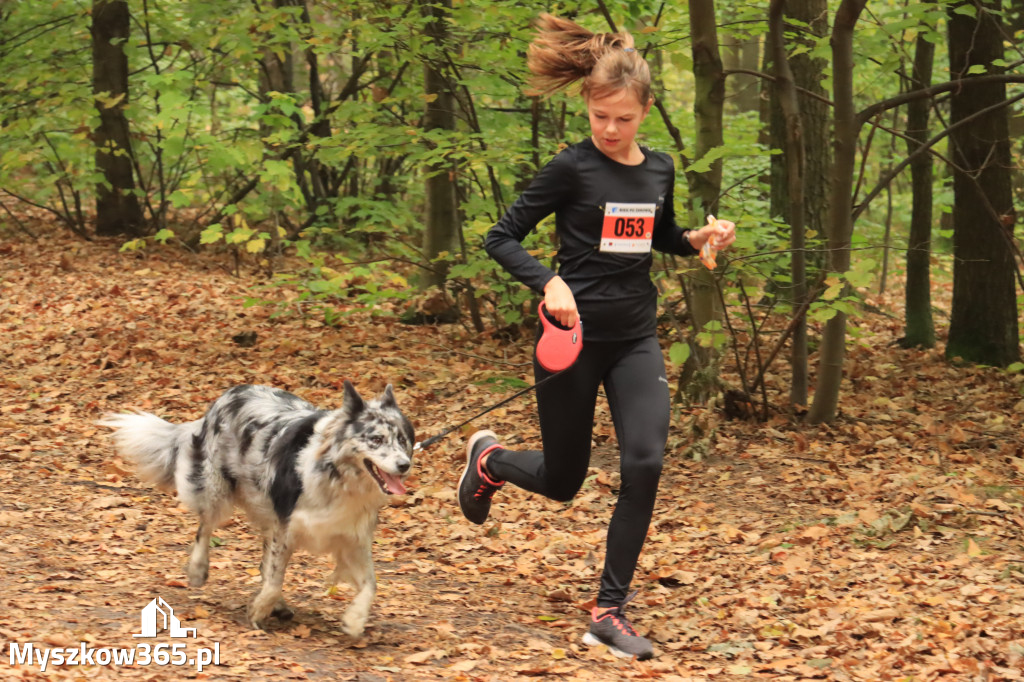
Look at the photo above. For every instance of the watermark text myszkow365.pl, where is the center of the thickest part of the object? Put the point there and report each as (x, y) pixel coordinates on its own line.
(156, 616)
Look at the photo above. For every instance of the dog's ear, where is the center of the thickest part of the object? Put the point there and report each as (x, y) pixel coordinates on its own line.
(387, 398)
(353, 403)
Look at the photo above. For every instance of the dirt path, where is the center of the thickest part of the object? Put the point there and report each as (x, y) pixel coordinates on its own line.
(885, 547)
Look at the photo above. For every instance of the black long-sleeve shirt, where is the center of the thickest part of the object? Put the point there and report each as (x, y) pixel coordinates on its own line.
(608, 216)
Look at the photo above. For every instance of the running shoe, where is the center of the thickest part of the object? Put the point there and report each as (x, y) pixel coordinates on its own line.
(610, 627)
(475, 487)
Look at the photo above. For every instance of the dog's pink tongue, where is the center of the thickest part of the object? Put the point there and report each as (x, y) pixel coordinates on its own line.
(393, 483)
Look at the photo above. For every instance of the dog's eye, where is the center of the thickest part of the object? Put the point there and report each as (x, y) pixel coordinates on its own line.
(376, 441)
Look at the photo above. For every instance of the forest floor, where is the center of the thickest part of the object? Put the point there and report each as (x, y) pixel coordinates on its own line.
(885, 546)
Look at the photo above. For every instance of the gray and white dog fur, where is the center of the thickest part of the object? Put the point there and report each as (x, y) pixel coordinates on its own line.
(307, 479)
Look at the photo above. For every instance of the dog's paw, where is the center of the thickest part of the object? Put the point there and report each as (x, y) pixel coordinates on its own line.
(197, 577)
(257, 623)
(352, 626)
(282, 611)
(355, 632)
(258, 614)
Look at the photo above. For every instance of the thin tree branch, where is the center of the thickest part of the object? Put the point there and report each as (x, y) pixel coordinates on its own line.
(870, 112)
(887, 178)
(17, 220)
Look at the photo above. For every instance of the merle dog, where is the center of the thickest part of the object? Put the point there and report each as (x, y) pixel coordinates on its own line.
(307, 479)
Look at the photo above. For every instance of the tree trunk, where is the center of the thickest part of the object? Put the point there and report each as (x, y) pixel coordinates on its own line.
(1014, 27)
(118, 211)
(743, 89)
(793, 152)
(442, 216)
(815, 115)
(807, 74)
(920, 328)
(983, 325)
(840, 228)
(277, 75)
(709, 99)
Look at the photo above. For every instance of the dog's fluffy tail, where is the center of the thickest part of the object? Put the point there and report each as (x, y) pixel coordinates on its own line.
(150, 442)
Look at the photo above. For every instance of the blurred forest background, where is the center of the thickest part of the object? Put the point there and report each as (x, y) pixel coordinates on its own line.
(858, 147)
(295, 192)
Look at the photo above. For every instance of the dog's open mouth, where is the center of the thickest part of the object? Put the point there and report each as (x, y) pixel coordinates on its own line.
(389, 483)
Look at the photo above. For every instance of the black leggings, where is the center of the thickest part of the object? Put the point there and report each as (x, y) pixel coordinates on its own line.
(633, 374)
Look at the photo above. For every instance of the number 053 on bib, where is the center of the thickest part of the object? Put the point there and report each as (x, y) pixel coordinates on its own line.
(627, 228)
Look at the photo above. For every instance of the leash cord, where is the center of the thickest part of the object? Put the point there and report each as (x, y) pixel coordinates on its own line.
(433, 439)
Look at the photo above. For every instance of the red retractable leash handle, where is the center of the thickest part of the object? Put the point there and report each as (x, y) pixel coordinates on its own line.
(557, 350)
(559, 346)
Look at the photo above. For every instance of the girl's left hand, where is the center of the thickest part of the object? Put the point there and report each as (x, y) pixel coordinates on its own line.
(722, 233)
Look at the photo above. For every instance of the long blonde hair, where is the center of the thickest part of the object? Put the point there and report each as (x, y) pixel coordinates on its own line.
(564, 52)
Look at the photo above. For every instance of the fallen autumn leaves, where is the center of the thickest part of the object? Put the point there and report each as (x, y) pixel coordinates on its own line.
(887, 546)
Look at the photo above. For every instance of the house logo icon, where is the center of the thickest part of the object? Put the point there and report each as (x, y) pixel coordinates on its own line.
(151, 619)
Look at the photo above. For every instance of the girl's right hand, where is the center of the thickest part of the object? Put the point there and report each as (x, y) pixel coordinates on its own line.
(559, 302)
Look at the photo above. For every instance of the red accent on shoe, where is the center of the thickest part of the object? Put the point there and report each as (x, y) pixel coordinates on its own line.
(480, 467)
(598, 614)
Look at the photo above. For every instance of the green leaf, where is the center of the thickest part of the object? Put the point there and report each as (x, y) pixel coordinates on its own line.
(180, 198)
(133, 245)
(211, 235)
(239, 235)
(679, 353)
(835, 288)
(862, 273)
(704, 163)
(107, 101)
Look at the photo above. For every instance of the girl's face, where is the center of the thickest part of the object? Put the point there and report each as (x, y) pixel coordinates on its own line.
(614, 120)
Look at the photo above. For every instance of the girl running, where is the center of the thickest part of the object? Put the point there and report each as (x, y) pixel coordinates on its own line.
(612, 201)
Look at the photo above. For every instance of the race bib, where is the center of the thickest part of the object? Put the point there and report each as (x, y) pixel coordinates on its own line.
(627, 228)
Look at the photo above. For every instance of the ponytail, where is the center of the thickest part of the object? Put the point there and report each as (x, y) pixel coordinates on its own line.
(563, 52)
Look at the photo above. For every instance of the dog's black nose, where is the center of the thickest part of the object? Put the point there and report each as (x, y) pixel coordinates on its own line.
(404, 467)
